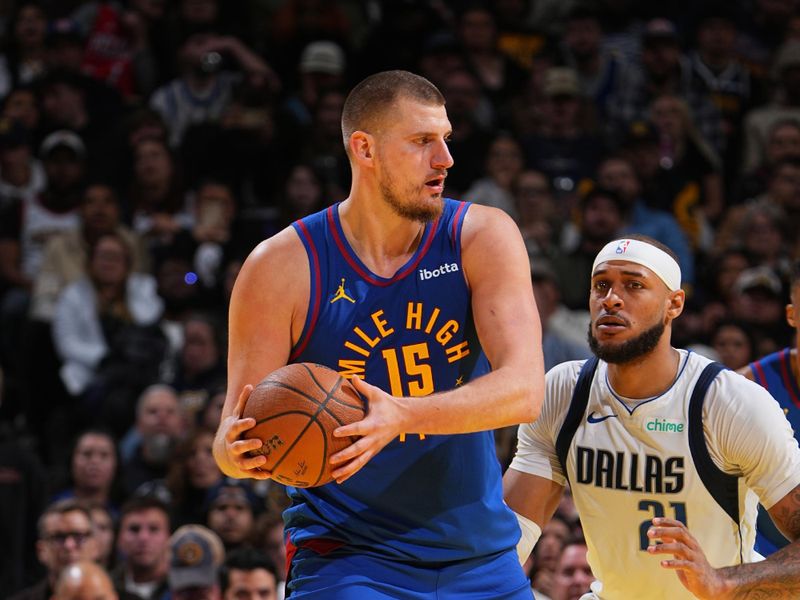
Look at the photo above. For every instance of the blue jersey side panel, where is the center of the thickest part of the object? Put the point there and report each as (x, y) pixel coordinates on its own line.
(432, 499)
(774, 373)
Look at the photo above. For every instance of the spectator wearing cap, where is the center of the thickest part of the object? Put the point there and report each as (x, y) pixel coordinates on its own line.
(22, 59)
(785, 104)
(758, 300)
(232, 509)
(565, 146)
(72, 101)
(205, 86)
(322, 66)
(22, 175)
(248, 574)
(65, 45)
(144, 550)
(196, 554)
(65, 537)
(600, 70)
(663, 70)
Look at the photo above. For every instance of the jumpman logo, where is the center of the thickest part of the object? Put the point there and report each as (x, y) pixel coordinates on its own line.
(341, 294)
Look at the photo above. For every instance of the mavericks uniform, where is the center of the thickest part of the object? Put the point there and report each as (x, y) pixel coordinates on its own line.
(774, 373)
(429, 501)
(628, 461)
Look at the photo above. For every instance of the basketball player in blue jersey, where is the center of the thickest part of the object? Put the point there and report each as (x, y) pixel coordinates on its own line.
(667, 453)
(779, 373)
(427, 304)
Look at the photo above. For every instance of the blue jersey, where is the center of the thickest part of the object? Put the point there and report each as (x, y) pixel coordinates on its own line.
(774, 373)
(427, 498)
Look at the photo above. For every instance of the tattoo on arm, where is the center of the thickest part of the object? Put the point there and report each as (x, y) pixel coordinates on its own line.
(779, 575)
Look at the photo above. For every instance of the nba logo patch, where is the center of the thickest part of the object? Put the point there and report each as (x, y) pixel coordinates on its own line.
(623, 246)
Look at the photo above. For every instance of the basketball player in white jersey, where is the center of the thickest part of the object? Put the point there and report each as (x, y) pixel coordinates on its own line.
(666, 465)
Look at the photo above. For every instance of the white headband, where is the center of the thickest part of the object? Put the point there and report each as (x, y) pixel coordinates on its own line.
(647, 255)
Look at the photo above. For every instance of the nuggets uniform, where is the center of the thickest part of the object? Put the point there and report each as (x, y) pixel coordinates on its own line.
(774, 373)
(429, 500)
(705, 464)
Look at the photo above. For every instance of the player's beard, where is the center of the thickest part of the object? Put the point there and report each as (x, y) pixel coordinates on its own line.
(415, 209)
(630, 350)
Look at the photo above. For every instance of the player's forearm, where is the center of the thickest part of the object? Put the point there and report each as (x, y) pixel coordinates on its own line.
(507, 396)
(775, 578)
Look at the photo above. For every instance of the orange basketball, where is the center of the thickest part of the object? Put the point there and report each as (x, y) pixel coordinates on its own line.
(296, 409)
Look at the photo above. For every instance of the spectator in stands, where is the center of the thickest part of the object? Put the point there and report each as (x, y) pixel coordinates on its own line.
(232, 510)
(84, 579)
(734, 343)
(785, 104)
(104, 531)
(22, 105)
(783, 143)
(143, 545)
(105, 331)
(196, 554)
(600, 217)
(23, 56)
(22, 176)
(617, 173)
(192, 472)
(269, 538)
(504, 163)
(543, 561)
(65, 537)
(93, 470)
(65, 254)
(564, 146)
(147, 449)
(663, 71)
(573, 574)
(203, 90)
(600, 70)
(758, 301)
(248, 573)
(156, 196)
(540, 219)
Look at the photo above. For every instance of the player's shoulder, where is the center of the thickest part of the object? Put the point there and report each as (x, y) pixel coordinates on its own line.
(276, 260)
(560, 380)
(733, 390)
(480, 219)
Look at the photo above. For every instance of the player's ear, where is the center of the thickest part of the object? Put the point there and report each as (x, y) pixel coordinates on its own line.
(790, 315)
(675, 303)
(362, 146)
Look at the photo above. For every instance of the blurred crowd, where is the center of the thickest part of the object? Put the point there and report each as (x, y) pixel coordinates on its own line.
(147, 146)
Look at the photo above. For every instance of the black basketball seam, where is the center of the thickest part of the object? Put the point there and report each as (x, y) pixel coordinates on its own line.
(307, 396)
(312, 419)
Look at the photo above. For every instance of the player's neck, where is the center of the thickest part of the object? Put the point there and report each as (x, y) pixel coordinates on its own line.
(648, 376)
(382, 239)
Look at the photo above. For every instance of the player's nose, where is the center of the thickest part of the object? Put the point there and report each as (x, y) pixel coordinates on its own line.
(442, 159)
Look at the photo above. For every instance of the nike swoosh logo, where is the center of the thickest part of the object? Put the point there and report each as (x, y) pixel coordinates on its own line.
(592, 419)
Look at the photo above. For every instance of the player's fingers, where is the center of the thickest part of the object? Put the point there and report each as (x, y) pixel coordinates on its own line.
(675, 548)
(247, 463)
(679, 534)
(240, 403)
(243, 446)
(351, 451)
(357, 429)
(354, 466)
(240, 426)
(680, 565)
(667, 522)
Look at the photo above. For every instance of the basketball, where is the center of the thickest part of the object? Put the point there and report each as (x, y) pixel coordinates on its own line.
(296, 409)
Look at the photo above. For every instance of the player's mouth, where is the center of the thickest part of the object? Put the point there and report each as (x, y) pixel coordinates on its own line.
(436, 184)
(611, 323)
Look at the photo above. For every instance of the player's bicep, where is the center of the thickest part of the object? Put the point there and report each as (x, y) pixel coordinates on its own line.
(497, 269)
(268, 298)
(786, 514)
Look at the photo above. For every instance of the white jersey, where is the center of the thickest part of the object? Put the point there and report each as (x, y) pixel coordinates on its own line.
(631, 460)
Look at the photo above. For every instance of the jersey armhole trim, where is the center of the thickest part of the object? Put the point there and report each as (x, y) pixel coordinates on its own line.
(315, 291)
